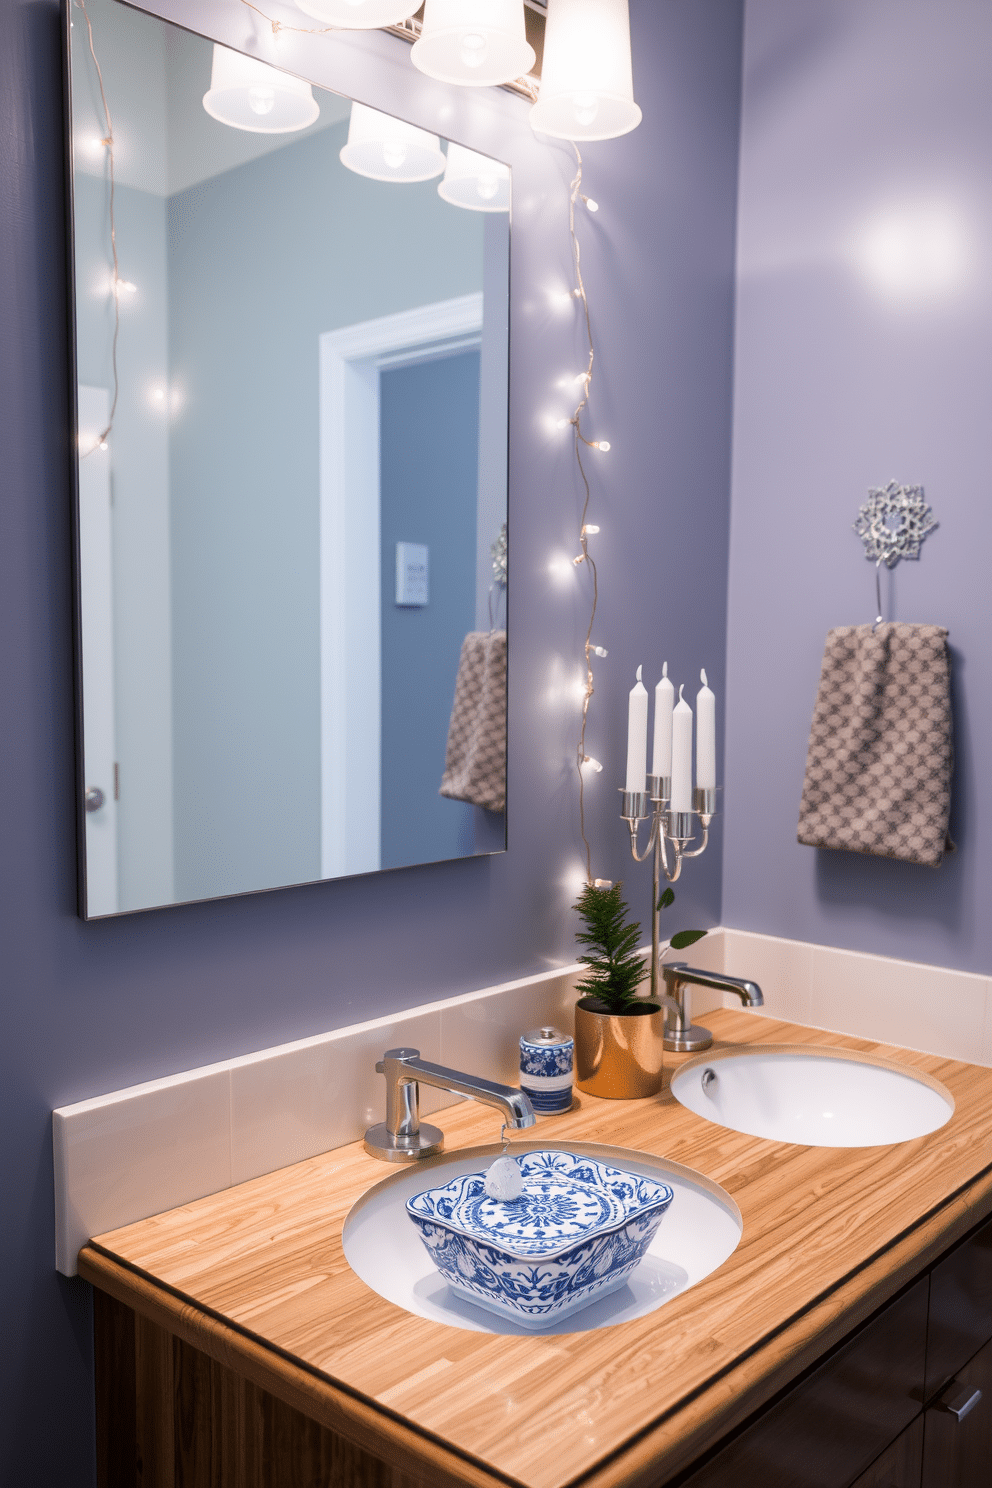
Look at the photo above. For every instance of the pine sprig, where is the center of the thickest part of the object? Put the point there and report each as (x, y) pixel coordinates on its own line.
(615, 969)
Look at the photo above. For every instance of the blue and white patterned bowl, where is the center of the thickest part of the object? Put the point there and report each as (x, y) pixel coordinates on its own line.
(576, 1233)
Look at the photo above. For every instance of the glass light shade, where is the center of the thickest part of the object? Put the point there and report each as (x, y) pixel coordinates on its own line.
(475, 181)
(587, 92)
(386, 149)
(360, 15)
(248, 94)
(477, 43)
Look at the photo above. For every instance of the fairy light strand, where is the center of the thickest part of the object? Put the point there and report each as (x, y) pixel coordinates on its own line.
(108, 144)
(585, 529)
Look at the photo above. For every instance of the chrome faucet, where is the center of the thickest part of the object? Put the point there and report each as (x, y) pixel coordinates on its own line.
(401, 1137)
(681, 1035)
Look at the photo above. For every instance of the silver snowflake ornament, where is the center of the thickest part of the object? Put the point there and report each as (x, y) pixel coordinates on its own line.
(894, 523)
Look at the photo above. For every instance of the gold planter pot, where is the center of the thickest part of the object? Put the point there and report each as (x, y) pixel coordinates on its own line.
(619, 1055)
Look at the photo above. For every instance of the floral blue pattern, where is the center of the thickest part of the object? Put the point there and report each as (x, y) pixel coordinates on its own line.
(576, 1233)
(545, 1060)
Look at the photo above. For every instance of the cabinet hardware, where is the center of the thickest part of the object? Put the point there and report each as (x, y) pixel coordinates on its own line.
(957, 1400)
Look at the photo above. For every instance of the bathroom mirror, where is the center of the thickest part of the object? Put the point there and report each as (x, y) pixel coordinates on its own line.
(290, 377)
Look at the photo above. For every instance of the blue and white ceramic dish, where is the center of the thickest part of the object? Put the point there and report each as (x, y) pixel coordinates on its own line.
(576, 1233)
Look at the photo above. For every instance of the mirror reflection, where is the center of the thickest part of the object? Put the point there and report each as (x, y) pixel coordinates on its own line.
(291, 367)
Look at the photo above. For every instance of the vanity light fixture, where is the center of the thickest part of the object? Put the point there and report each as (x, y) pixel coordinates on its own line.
(474, 43)
(475, 181)
(387, 149)
(360, 15)
(248, 94)
(587, 90)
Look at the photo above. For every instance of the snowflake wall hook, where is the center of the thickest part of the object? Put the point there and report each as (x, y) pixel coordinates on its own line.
(894, 523)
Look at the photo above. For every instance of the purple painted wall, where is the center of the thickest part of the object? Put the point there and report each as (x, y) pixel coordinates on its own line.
(863, 353)
(88, 1007)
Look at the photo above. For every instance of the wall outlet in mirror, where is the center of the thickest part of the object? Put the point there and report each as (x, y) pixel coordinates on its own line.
(412, 579)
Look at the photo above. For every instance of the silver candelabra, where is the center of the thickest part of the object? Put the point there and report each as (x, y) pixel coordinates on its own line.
(667, 826)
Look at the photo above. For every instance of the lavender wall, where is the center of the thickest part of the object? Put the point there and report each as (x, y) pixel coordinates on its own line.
(88, 1007)
(863, 353)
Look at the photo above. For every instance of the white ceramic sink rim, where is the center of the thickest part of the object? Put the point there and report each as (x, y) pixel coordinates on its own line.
(813, 1096)
(700, 1230)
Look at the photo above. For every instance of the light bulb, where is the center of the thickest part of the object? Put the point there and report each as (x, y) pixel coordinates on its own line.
(103, 444)
(592, 206)
(394, 153)
(590, 528)
(563, 423)
(159, 395)
(474, 49)
(592, 763)
(582, 377)
(125, 286)
(261, 99)
(576, 294)
(580, 558)
(487, 186)
(586, 107)
(599, 650)
(602, 444)
(602, 883)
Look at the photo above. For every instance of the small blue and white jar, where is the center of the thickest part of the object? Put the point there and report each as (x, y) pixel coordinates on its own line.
(546, 1061)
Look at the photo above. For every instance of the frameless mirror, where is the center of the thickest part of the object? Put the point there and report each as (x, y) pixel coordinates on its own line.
(291, 378)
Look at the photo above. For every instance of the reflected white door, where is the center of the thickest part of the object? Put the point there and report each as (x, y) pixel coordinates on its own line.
(99, 753)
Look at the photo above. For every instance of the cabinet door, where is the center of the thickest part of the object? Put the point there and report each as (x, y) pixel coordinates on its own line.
(957, 1429)
(901, 1465)
(960, 1309)
(838, 1420)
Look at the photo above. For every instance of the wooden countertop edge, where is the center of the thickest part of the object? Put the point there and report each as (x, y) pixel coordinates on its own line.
(654, 1457)
(396, 1442)
(674, 1443)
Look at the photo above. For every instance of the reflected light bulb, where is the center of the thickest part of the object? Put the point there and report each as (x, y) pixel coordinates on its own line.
(591, 206)
(103, 444)
(487, 186)
(474, 49)
(603, 444)
(586, 106)
(599, 650)
(563, 423)
(394, 153)
(261, 100)
(590, 528)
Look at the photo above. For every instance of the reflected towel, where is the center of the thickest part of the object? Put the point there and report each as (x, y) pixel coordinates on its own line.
(475, 761)
(878, 771)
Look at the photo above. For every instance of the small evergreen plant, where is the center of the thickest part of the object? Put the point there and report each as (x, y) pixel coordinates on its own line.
(615, 969)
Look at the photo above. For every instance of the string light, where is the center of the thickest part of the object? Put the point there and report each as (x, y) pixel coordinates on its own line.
(586, 529)
(591, 206)
(116, 282)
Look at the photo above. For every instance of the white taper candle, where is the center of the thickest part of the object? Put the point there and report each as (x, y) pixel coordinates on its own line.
(705, 736)
(637, 736)
(682, 756)
(664, 704)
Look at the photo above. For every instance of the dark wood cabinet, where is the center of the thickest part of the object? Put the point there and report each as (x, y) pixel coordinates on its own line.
(957, 1429)
(883, 1405)
(837, 1421)
(900, 1465)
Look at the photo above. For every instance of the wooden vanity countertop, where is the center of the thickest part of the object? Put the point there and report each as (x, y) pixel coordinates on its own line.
(255, 1276)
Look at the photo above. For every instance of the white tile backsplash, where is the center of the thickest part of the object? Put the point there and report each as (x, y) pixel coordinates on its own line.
(135, 1152)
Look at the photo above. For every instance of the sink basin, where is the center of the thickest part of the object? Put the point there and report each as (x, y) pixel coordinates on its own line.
(812, 1097)
(701, 1228)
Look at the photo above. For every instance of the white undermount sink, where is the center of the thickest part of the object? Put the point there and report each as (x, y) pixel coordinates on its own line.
(700, 1229)
(812, 1097)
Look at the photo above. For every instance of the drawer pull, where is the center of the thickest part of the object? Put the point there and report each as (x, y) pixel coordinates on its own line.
(957, 1400)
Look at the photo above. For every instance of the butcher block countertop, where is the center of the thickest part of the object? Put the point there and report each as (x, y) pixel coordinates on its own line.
(255, 1277)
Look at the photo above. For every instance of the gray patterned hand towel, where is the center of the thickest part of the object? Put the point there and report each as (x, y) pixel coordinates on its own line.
(878, 771)
(475, 760)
